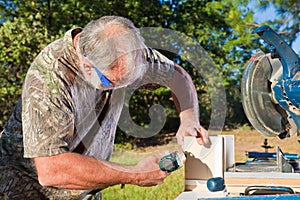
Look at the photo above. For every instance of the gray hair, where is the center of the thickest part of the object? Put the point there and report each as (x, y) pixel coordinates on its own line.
(103, 44)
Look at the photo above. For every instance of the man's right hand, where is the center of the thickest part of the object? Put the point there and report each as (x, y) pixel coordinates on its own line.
(149, 172)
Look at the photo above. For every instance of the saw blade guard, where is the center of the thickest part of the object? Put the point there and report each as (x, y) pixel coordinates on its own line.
(261, 108)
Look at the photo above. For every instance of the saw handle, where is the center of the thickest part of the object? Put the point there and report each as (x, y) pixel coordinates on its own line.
(287, 56)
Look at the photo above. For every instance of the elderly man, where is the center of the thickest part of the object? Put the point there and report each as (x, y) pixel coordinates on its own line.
(57, 142)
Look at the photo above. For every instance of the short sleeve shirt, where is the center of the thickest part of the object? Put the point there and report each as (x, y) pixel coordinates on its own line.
(47, 107)
(61, 112)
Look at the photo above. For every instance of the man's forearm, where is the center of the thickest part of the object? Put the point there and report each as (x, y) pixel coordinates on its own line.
(183, 91)
(74, 171)
(178, 80)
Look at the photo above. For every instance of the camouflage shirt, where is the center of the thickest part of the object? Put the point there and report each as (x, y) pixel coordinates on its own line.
(61, 112)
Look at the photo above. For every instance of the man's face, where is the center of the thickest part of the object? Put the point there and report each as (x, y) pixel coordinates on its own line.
(113, 66)
(113, 75)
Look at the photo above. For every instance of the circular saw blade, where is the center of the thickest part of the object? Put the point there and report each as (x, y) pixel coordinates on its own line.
(265, 115)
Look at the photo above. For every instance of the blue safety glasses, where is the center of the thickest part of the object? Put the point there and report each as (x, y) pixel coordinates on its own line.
(103, 79)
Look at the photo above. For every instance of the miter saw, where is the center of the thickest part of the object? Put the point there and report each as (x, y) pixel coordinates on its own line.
(271, 100)
(271, 88)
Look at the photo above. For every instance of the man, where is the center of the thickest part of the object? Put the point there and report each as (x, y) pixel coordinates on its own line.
(57, 142)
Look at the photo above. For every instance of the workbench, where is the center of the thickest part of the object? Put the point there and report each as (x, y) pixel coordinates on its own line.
(266, 176)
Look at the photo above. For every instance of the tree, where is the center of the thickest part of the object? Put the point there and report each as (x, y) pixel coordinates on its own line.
(20, 40)
(287, 18)
(222, 28)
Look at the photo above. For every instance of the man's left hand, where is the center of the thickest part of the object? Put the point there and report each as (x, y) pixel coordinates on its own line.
(190, 126)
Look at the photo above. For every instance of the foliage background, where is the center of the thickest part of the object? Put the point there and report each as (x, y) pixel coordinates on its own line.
(222, 28)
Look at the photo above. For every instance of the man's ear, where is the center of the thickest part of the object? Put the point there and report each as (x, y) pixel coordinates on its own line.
(75, 36)
(75, 32)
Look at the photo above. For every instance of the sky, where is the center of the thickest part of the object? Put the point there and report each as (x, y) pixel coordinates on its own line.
(270, 14)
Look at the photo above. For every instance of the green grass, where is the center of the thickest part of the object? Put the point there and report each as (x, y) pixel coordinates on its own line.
(170, 189)
(173, 185)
